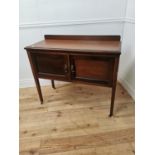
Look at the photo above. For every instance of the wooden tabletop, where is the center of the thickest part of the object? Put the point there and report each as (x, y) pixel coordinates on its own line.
(91, 45)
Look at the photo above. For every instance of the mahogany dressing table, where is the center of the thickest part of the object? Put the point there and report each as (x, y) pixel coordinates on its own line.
(76, 58)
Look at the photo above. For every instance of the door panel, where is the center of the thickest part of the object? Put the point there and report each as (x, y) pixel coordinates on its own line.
(97, 69)
(51, 65)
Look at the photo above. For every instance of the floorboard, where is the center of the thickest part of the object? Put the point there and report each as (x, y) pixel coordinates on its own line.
(74, 121)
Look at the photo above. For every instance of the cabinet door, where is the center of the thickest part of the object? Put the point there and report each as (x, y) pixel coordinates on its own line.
(49, 65)
(95, 69)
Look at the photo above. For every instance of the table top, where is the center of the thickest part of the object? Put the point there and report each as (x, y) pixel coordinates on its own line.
(98, 45)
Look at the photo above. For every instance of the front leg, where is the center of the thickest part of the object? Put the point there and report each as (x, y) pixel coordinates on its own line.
(39, 89)
(53, 85)
(112, 100)
(34, 71)
(114, 85)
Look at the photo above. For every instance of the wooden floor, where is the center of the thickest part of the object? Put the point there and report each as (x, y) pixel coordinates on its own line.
(74, 121)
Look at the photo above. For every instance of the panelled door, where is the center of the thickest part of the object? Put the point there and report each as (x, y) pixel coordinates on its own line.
(95, 69)
(50, 65)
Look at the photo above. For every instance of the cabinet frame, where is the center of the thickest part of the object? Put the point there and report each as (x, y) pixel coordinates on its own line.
(69, 59)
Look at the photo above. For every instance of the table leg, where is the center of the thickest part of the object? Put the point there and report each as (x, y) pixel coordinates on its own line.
(39, 89)
(114, 85)
(112, 100)
(34, 71)
(53, 85)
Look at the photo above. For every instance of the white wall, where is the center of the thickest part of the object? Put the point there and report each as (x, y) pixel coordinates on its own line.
(62, 10)
(39, 17)
(127, 59)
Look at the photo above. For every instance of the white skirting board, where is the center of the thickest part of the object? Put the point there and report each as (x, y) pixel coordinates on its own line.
(30, 83)
(127, 87)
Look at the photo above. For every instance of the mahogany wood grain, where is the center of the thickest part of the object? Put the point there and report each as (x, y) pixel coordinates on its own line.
(77, 45)
(85, 59)
(84, 37)
(53, 64)
(34, 71)
(93, 68)
(114, 85)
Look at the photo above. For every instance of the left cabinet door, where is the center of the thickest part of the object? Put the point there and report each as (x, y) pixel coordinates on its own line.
(50, 65)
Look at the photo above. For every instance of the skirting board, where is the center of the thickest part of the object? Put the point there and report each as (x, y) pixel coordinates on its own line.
(127, 87)
(30, 83)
